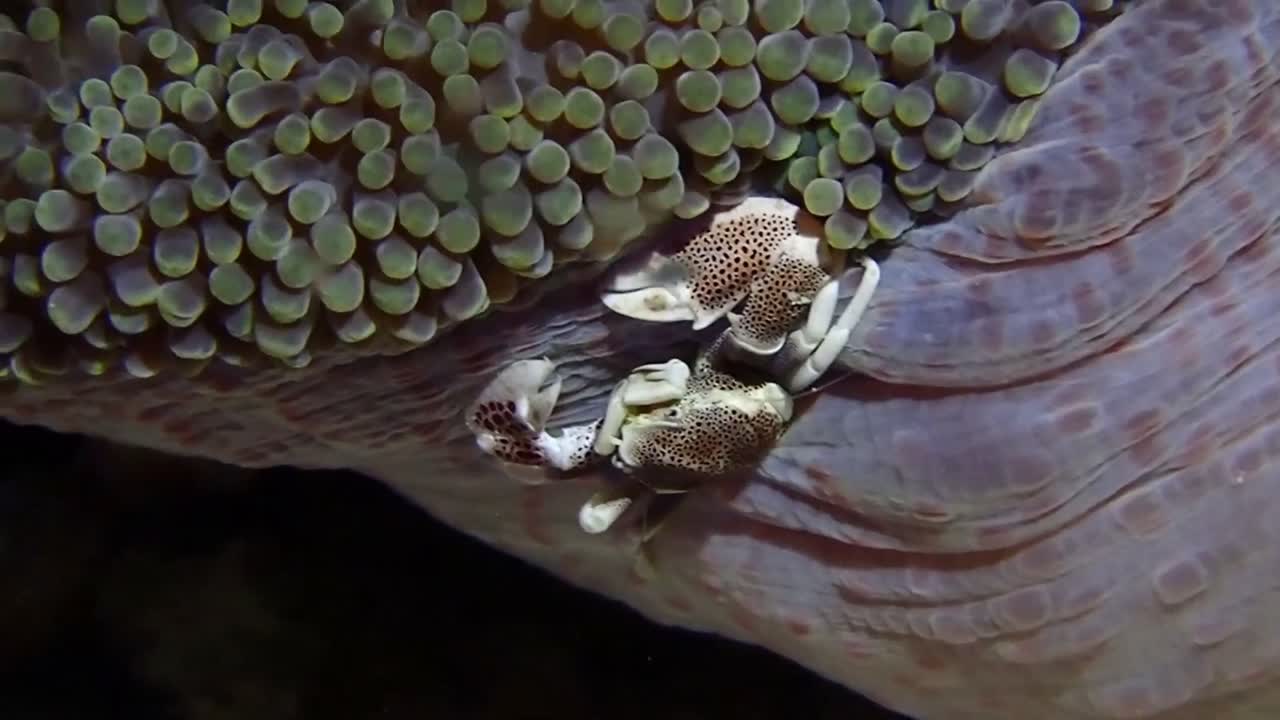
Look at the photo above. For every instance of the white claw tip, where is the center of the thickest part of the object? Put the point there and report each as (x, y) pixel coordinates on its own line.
(655, 304)
(597, 516)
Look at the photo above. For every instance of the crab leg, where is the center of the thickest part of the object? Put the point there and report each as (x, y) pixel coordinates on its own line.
(599, 513)
(833, 336)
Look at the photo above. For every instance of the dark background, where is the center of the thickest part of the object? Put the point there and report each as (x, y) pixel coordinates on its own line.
(134, 585)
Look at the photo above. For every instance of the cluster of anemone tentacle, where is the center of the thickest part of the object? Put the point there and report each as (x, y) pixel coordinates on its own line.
(265, 180)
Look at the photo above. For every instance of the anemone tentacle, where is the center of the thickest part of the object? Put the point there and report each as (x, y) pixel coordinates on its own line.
(260, 181)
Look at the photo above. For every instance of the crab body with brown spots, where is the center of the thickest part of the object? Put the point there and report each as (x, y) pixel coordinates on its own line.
(721, 425)
(1049, 491)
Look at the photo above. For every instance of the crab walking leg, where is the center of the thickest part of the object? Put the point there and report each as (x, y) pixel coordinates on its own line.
(599, 513)
(837, 334)
(602, 511)
(656, 513)
(822, 312)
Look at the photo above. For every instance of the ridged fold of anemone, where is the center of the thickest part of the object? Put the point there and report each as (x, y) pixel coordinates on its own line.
(263, 178)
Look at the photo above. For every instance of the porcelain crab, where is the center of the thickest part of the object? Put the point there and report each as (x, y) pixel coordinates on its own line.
(670, 426)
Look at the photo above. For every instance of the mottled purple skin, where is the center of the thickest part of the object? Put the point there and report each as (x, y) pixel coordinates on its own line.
(1047, 489)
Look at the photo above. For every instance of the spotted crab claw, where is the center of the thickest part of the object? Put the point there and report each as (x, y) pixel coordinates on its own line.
(528, 390)
(510, 415)
(714, 271)
(812, 349)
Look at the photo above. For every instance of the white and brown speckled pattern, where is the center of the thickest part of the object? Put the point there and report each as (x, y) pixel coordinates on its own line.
(1055, 495)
